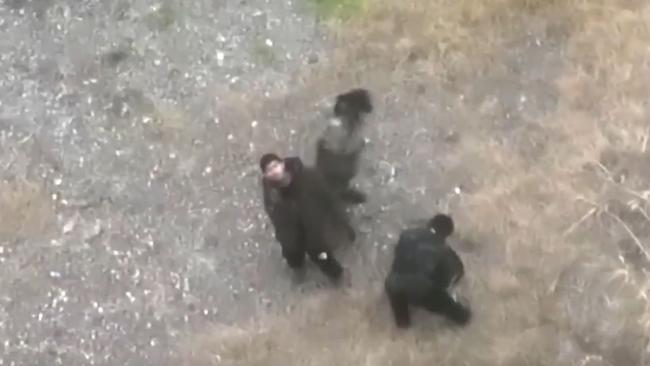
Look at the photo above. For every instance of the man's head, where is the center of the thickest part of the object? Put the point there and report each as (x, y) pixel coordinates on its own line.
(273, 168)
(442, 225)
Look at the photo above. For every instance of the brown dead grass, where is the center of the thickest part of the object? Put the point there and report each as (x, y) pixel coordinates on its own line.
(445, 39)
(558, 287)
(25, 210)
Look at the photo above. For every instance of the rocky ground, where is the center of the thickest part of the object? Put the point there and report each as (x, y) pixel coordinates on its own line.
(130, 218)
(129, 162)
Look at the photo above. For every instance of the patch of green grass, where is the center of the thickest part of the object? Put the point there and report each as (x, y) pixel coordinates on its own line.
(162, 18)
(263, 53)
(340, 9)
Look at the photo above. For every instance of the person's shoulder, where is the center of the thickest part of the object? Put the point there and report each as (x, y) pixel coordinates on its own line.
(413, 235)
(293, 164)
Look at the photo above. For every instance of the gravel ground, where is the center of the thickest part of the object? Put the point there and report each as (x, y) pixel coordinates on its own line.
(129, 201)
(135, 116)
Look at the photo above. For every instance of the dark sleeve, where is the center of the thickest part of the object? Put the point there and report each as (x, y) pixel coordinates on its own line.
(266, 193)
(405, 236)
(419, 257)
(276, 210)
(283, 217)
(321, 195)
(413, 235)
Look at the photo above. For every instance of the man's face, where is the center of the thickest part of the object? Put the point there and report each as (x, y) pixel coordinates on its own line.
(275, 171)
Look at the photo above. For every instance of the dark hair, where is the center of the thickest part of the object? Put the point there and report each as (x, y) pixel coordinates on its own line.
(268, 158)
(442, 224)
(353, 102)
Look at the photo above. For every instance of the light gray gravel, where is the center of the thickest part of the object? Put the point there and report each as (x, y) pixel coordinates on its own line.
(131, 112)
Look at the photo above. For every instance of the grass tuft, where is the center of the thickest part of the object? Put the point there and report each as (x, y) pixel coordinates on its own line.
(25, 210)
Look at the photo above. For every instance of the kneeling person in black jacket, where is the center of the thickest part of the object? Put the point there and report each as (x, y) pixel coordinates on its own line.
(423, 269)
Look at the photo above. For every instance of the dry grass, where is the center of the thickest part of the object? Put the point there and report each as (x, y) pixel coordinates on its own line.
(444, 39)
(25, 210)
(559, 291)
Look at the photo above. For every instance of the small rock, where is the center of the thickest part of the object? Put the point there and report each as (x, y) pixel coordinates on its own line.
(91, 232)
(452, 137)
(312, 59)
(211, 241)
(220, 58)
(69, 225)
(113, 58)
